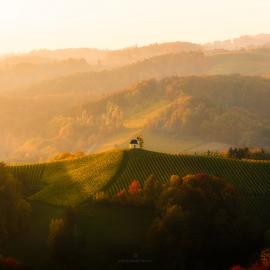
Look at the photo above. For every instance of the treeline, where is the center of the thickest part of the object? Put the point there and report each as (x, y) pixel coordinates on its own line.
(240, 153)
(246, 153)
(15, 215)
(201, 222)
(216, 109)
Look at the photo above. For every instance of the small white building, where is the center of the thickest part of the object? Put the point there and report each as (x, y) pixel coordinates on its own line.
(134, 143)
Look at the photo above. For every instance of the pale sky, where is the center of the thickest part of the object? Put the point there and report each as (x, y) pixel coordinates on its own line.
(52, 24)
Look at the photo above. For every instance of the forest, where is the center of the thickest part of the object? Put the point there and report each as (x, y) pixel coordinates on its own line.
(196, 221)
(229, 109)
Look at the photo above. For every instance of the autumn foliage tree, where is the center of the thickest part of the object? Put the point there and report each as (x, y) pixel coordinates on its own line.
(65, 242)
(131, 196)
(10, 263)
(175, 180)
(151, 190)
(134, 187)
(202, 220)
(263, 263)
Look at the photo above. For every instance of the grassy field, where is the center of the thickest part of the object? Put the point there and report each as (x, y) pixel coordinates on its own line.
(141, 118)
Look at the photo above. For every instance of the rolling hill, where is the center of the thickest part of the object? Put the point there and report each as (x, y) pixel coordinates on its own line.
(193, 113)
(246, 41)
(196, 110)
(39, 67)
(245, 55)
(22, 72)
(115, 58)
(246, 62)
(72, 182)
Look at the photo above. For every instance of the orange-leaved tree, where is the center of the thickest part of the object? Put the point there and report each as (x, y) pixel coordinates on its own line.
(134, 187)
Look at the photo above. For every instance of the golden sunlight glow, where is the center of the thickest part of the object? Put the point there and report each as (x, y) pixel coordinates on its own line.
(30, 24)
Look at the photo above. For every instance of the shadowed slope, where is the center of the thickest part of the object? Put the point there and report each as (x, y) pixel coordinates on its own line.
(70, 182)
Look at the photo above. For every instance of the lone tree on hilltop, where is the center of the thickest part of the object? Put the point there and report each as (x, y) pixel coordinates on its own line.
(141, 141)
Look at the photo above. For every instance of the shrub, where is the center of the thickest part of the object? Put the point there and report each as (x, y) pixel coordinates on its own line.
(121, 196)
(203, 219)
(175, 180)
(134, 187)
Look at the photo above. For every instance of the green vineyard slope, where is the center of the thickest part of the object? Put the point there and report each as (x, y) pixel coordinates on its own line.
(70, 182)
(251, 178)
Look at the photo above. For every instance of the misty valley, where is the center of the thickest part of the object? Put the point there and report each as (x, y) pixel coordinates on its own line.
(148, 157)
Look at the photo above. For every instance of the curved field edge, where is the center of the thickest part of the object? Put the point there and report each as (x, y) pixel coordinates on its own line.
(71, 182)
(251, 178)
